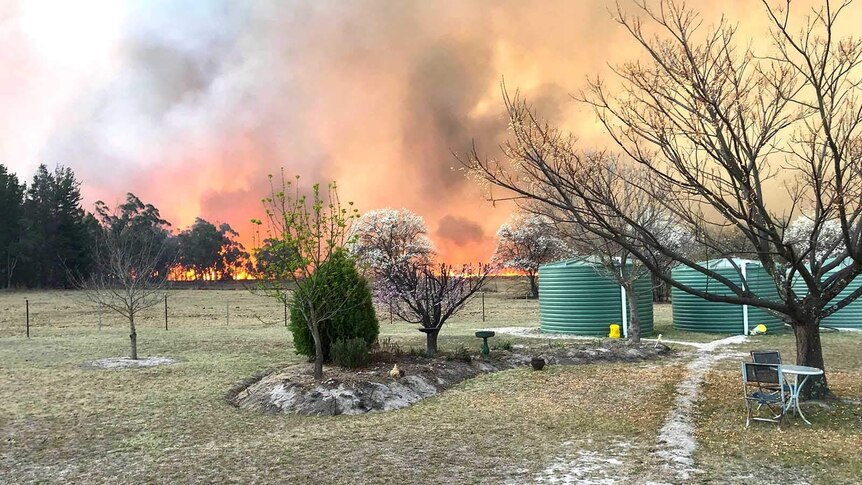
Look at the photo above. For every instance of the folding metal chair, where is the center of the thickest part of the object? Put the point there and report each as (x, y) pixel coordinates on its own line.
(766, 357)
(764, 388)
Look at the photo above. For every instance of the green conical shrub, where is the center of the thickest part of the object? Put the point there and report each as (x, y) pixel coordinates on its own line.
(349, 293)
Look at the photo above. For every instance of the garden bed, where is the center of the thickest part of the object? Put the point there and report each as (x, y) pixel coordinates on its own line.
(293, 389)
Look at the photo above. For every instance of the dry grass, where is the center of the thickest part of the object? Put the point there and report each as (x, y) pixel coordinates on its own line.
(827, 452)
(61, 421)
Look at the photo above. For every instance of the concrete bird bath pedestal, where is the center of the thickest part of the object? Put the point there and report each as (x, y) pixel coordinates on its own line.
(485, 335)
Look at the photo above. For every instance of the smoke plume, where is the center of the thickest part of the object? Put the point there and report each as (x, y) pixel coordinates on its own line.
(191, 104)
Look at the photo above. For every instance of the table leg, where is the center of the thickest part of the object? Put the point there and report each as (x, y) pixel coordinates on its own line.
(792, 384)
(798, 409)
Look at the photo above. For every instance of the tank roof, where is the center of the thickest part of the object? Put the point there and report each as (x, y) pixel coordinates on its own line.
(728, 263)
(574, 262)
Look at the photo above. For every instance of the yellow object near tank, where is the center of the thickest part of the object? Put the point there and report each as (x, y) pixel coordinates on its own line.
(615, 331)
(761, 328)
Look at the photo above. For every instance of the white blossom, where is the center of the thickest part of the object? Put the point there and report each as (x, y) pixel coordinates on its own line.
(828, 242)
(527, 241)
(383, 238)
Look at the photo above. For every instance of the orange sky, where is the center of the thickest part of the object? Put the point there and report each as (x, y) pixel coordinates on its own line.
(191, 104)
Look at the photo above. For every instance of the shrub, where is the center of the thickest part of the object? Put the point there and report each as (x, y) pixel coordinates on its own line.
(506, 345)
(350, 353)
(461, 353)
(354, 317)
(390, 347)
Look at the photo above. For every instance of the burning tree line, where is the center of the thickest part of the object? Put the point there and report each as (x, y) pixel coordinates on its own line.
(47, 238)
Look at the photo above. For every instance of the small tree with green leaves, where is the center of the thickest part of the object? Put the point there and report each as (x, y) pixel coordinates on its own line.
(303, 233)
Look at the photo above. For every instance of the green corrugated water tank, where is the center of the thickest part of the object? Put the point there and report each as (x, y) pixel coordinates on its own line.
(576, 298)
(849, 316)
(696, 314)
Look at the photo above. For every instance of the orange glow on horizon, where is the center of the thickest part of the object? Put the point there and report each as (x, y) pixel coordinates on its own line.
(178, 273)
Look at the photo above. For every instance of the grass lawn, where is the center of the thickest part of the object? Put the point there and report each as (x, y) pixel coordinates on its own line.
(64, 422)
(829, 451)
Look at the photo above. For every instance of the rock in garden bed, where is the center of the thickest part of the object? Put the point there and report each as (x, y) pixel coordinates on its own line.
(293, 389)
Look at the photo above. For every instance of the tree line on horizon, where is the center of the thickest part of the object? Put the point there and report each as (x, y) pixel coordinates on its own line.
(48, 239)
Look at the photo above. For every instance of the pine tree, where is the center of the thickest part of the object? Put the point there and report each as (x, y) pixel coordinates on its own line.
(58, 233)
(350, 301)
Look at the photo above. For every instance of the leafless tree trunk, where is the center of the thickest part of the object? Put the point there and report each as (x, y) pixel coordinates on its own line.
(133, 337)
(125, 277)
(11, 263)
(314, 326)
(431, 335)
(634, 317)
(532, 276)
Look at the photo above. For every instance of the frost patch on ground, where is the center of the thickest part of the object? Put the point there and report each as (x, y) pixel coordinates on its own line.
(588, 467)
(127, 363)
(534, 332)
(676, 443)
(704, 346)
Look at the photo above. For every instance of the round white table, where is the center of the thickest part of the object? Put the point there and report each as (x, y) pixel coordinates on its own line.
(796, 385)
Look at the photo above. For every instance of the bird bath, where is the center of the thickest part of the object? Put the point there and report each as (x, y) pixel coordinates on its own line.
(485, 335)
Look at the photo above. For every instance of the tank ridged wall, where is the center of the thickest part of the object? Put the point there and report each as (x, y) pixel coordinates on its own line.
(575, 298)
(696, 314)
(849, 316)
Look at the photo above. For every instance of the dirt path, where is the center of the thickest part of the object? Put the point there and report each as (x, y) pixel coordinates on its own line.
(676, 442)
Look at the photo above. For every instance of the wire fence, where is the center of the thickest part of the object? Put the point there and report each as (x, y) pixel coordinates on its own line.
(44, 312)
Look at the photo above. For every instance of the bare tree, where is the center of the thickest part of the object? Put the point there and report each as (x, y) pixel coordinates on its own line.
(428, 294)
(126, 278)
(527, 241)
(712, 122)
(303, 234)
(612, 183)
(11, 263)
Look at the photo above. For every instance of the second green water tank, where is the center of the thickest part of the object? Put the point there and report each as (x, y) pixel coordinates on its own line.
(849, 317)
(696, 314)
(576, 297)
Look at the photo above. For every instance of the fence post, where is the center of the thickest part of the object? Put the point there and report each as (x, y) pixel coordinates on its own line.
(227, 313)
(27, 306)
(100, 317)
(166, 311)
(483, 306)
(285, 308)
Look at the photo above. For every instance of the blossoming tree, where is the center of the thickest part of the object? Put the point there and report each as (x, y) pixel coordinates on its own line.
(387, 237)
(527, 241)
(428, 294)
